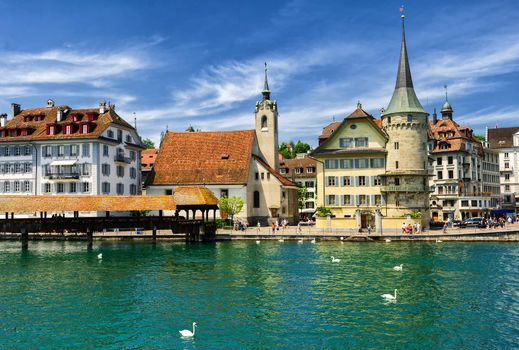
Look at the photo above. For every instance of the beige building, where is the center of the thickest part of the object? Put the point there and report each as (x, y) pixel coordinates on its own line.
(302, 170)
(241, 163)
(376, 172)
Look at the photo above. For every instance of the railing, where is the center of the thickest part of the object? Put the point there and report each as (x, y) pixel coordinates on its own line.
(405, 188)
(120, 158)
(63, 176)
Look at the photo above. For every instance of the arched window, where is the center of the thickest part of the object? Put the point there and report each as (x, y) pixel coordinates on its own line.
(256, 199)
(264, 122)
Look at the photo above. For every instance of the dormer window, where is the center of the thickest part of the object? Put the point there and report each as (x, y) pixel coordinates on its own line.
(110, 134)
(128, 139)
(27, 118)
(68, 129)
(85, 128)
(51, 130)
(310, 170)
(76, 117)
(298, 170)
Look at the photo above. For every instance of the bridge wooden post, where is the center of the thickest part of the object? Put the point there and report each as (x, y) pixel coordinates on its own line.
(25, 238)
(90, 238)
(154, 233)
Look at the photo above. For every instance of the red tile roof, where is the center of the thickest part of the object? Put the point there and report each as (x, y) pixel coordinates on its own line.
(502, 137)
(148, 157)
(303, 163)
(221, 157)
(448, 133)
(328, 129)
(35, 121)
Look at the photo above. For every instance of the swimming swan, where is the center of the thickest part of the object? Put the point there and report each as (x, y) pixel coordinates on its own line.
(188, 333)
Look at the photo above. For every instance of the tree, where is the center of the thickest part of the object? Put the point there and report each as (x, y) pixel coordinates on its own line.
(300, 147)
(301, 195)
(231, 205)
(148, 143)
(284, 150)
(290, 150)
(480, 137)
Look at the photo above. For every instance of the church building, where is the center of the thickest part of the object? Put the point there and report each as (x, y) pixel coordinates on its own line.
(242, 163)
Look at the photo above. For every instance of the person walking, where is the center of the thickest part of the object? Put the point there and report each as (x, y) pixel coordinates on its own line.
(369, 229)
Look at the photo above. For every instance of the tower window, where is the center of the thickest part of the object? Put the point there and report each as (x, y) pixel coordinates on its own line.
(256, 199)
(264, 122)
(396, 164)
(409, 118)
(397, 145)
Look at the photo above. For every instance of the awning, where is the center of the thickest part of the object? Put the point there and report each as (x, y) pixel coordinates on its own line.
(64, 162)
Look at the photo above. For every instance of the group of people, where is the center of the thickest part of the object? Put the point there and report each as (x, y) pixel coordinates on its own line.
(239, 225)
(499, 222)
(275, 225)
(410, 229)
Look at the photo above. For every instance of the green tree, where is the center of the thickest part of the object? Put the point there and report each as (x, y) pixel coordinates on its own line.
(290, 149)
(148, 143)
(480, 137)
(231, 206)
(301, 195)
(300, 147)
(284, 150)
(323, 212)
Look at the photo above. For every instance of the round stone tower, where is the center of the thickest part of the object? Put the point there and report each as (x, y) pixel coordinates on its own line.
(405, 122)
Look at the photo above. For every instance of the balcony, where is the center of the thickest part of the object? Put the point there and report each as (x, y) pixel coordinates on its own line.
(63, 176)
(507, 170)
(405, 188)
(121, 158)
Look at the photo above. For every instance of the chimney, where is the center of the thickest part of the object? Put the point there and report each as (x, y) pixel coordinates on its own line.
(59, 115)
(15, 109)
(3, 119)
(435, 117)
(102, 107)
(50, 103)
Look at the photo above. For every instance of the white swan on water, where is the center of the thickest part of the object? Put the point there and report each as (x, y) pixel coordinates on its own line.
(188, 333)
(300, 241)
(312, 241)
(335, 260)
(281, 240)
(100, 255)
(258, 242)
(388, 240)
(439, 241)
(389, 297)
(398, 267)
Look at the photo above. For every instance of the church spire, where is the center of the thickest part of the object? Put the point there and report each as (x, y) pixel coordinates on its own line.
(266, 91)
(404, 98)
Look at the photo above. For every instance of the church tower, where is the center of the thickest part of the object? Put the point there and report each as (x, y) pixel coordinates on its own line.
(405, 122)
(266, 113)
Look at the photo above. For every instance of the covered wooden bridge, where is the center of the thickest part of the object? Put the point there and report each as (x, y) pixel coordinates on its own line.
(187, 211)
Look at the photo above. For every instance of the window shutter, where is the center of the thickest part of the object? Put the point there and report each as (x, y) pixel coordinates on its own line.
(336, 181)
(383, 199)
(30, 186)
(67, 150)
(2, 151)
(372, 200)
(357, 199)
(54, 151)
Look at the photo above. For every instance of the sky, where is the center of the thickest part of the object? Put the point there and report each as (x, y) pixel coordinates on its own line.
(172, 64)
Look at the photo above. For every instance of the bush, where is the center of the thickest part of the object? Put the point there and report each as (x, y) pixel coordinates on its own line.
(323, 212)
(221, 223)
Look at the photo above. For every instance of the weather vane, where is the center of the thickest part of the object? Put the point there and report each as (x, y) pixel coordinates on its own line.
(446, 97)
(402, 11)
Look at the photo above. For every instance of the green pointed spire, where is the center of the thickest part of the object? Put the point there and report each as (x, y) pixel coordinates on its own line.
(404, 98)
(266, 91)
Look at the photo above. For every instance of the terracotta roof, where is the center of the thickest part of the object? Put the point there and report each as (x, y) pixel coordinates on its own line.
(446, 132)
(284, 181)
(148, 157)
(221, 157)
(35, 121)
(359, 113)
(502, 137)
(304, 163)
(183, 196)
(328, 129)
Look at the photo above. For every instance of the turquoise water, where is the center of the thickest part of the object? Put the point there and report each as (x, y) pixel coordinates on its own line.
(273, 295)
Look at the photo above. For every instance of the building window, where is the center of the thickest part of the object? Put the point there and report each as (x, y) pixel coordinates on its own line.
(47, 188)
(377, 181)
(73, 187)
(507, 188)
(168, 192)
(397, 145)
(409, 118)
(451, 174)
(133, 189)
(331, 199)
(363, 199)
(346, 181)
(60, 187)
(105, 169)
(7, 186)
(27, 150)
(84, 129)
(298, 170)
(506, 154)
(361, 142)
(362, 180)
(27, 167)
(281, 171)
(74, 150)
(120, 189)
(264, 122)
(309, 184)
(346, 199)
(105, 187)
(397, 181)
(507, 177)
(439, 161)
(128, 139)
(378, 199)
(331, 164)
(507, 165)
(450, 160)
(133, 173)
(346, 142)
(396, 164)
(86, 150)
(120, 171)
(85, 169)
(119, 135)
(110, 133)
(376, 162)
(309, 205)
(361, 163)
(17, 186)
(331, 181)
(439, 175)
(132, 155)
(224, 193)
(256, 199)
(105, 150)
(263, 176)
(256, 176)
(310, 170)
(61, 150)
(85, 187)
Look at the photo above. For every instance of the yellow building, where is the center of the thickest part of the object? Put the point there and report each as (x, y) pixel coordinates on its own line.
(350, 168)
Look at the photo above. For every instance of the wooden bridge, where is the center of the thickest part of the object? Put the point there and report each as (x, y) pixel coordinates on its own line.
(189, 209)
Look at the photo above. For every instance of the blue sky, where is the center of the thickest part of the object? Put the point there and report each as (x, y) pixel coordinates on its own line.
(200, 63)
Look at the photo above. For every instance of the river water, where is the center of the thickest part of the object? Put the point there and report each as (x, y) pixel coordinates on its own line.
(273, 295)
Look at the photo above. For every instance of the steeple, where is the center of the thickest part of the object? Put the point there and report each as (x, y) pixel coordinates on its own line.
(266, 91)
(446, 108)
(404, 98)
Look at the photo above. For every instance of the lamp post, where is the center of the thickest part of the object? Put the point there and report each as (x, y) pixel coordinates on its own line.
(324, 177)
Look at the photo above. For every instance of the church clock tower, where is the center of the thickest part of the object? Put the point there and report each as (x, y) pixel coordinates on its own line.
(266, 113)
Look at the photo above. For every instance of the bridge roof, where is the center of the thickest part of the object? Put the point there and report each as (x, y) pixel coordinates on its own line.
(184, 197)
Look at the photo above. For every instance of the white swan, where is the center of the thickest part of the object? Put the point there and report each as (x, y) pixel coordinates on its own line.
(439, 241)
(342, 238)
(389, 297)
(281, 240)
(388, 240)
(188, 333)
(258, 242)
(312, 241)
(300, 241)
(398, 267)
(100, 255)
(335, 260)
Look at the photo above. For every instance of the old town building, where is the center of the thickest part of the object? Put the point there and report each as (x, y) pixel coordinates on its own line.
(58, 150)
(240, 163)
(302, 170)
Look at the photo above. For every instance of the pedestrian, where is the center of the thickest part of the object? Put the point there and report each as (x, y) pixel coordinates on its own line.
(273, 228)
(299, 231)
(369, 229)
(445, 228)
(277, 225)
(403, 227)
(418, 227)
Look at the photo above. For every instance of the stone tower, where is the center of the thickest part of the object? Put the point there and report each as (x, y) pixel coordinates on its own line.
(266, 113)
(405, 122)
